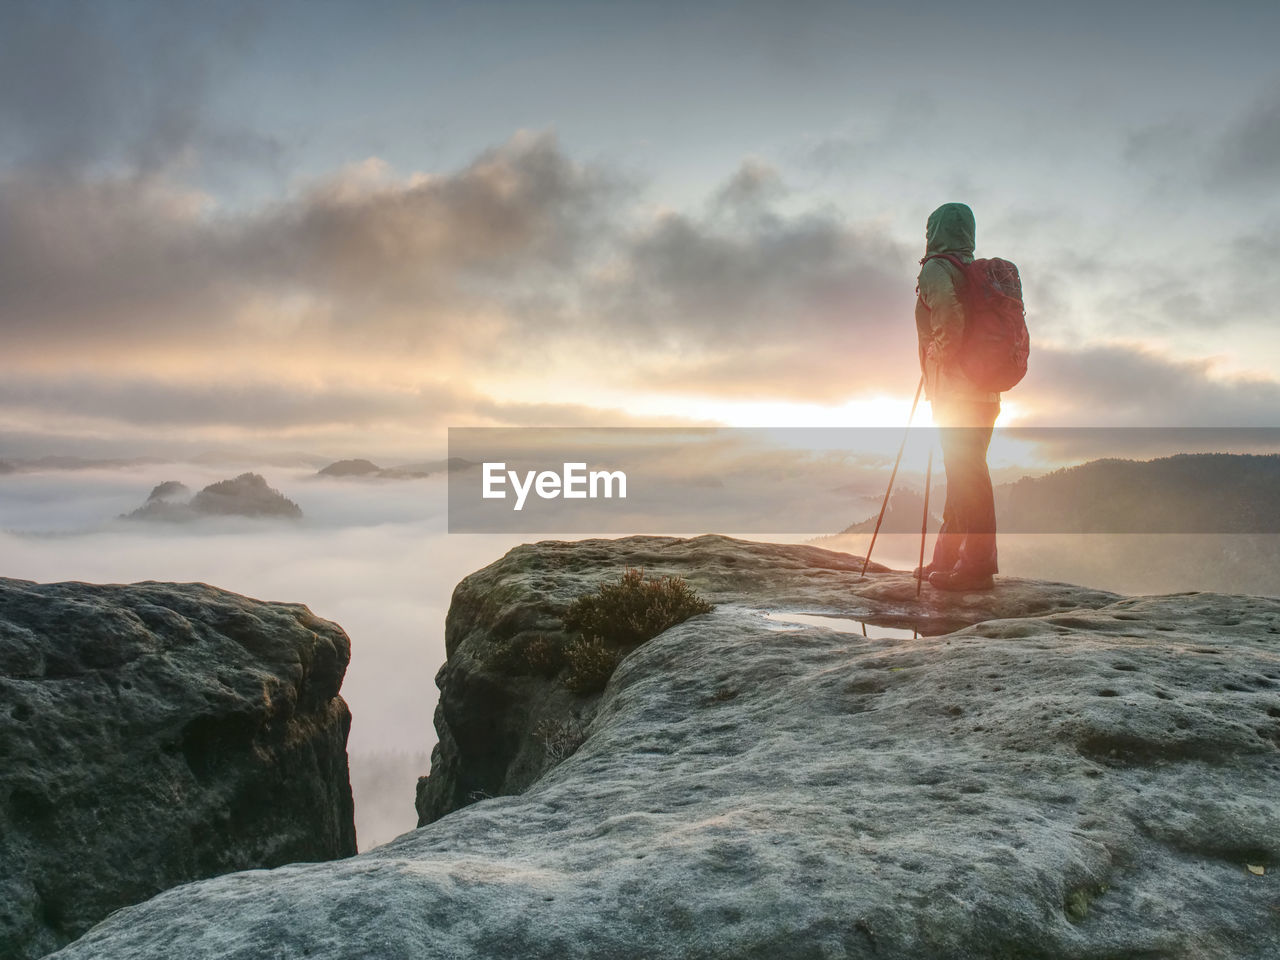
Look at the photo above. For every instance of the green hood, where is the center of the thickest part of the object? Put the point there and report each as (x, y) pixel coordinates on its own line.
(950, 230)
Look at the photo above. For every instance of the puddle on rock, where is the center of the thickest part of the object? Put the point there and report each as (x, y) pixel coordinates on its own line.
(844, 625)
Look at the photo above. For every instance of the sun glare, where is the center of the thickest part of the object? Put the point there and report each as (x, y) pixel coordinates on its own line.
(875, 411)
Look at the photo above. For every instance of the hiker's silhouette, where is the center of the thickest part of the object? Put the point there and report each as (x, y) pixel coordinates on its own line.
(964, 555)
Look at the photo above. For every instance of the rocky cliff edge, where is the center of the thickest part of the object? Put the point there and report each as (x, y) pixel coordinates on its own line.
(1074, 775)
(157, 733)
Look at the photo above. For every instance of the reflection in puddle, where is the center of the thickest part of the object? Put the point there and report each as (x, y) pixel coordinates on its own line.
(844, 625)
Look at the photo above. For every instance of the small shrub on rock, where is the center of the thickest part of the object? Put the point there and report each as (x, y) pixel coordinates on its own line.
(591, 664)
(537, 655)
(620, 616)
(560, 738)
(544, 655)
(633, 610)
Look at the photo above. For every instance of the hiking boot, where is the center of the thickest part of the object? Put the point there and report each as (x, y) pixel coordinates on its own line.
(929, 569)
(961, 580)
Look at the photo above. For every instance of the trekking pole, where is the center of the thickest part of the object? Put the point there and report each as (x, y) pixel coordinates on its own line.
(924, 523)
(902, 446)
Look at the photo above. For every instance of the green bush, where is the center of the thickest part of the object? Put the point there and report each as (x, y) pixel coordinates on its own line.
(544, 655)
(524, 655)
(619, 617)
(591, 664)
(633, 610)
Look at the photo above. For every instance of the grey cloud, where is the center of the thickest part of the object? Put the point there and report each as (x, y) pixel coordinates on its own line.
(1165, 299)
(515, 414)
(86, 84)
(391, 265)
(873, 144)
(800, 372)
(839, 154)
(1259, 249)
(134, 259)
(1223, 286)
(519, 206)
(751, 189)
(1253, 282)
(108, 260)
(692, 283)
(267, 406)
(762, 304)
(1158, 144)
(1185, 160)
(171, 407)
(519, 234)
(1249, 153)
(518, 252)
(1126, 387)
(1100, 386)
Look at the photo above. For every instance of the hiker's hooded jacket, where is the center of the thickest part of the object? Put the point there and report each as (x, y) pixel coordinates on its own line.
(939, 311)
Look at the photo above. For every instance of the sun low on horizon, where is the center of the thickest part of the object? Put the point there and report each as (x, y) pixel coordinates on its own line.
(210, 241)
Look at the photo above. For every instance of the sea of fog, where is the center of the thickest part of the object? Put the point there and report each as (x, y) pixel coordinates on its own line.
(371, 555)
(374, 556)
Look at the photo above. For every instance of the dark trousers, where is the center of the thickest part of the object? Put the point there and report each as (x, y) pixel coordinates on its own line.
(967, 540)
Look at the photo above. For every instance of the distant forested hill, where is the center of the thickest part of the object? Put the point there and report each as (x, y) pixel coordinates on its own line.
(903, 515)
(1186, 493)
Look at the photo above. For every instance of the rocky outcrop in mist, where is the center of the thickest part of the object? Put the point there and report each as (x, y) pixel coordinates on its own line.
(362, 469)
(368, 470)
(247, 495)
(169, 491)
(157, 733)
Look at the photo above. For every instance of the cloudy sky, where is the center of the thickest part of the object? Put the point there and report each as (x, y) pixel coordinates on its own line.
(343, 227)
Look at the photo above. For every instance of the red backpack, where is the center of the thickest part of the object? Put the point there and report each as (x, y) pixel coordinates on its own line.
(996, 341)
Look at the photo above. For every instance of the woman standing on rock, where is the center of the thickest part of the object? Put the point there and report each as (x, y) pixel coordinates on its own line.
(964, 555)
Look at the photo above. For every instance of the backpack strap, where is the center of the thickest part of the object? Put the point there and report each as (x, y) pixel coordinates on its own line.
(955, 261)
(947, 256)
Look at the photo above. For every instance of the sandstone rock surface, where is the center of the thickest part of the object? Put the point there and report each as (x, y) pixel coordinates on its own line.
(1078, 776)
(487, 708)
(156, 733)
